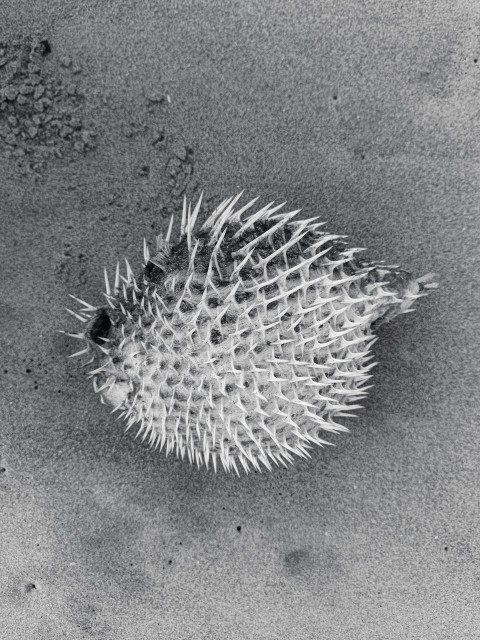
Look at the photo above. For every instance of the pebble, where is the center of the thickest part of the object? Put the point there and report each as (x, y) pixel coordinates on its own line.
(155, 96)
(10, 139)
(12, 121)
(39, 91)
(158, 136)
(10, 92)
(87, 136)
(34, 80)
(3, 62)
(32, 131)
(71, 89)
(33, 68)
(79, 146)
(65, 131)
(25, 89)
(37, 119)
(21, 99)
(19, 152)
(77, 69)
(65, 61)
(180, 151)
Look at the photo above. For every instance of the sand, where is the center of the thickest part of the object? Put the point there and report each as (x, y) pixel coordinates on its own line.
(365, 113)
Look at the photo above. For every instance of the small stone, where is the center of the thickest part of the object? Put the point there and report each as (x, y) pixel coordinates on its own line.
(10, 92)
(158, 136)
(180, 151)
(19, 152)
(76, 69)
(37, 119)
(127, 132)
(155, 95)
(87, 136)
(33, 68)
(38, 107)
(65, 131)
(21, 99)
(35, 80)
(10, 139)
(2, 52)
(76, 123)
(12, 121)
(26, 89)
(39, 91)
(65, 61)
(3, 62)
(32, 131)
(71, 89)
(57, 153)
(79, 146)
(46, 102)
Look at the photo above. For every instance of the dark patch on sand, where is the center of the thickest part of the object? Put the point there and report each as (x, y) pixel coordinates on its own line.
(41, 105)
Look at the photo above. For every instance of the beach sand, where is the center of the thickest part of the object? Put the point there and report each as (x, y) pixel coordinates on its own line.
(364, 113)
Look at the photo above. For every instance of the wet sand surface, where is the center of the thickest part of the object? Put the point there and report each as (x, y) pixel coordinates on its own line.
(366, 115)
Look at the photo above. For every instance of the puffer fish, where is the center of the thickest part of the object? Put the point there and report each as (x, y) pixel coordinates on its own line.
(244, 341)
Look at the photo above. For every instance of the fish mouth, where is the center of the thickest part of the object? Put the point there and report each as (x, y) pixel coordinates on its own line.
(98, 328)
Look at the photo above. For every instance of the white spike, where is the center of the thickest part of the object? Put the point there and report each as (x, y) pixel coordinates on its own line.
(76, 315)
(250, 221)
(146, 252)
(169, 232)
(211, 218)
(78, 336)
(196, 212)
(189, 228)
(107, 283)
(117, 278)
(86, 305)
(130, 276)
(236, 217)
(266, 234)
(184, 218)
(79, 353)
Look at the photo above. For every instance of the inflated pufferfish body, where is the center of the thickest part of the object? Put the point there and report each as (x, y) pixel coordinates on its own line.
(245, 340)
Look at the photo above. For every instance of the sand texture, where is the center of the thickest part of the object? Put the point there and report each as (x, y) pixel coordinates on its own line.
(366, 113)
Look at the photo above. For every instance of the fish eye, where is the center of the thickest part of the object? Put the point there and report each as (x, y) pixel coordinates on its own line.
(153, 272)
(100, 327)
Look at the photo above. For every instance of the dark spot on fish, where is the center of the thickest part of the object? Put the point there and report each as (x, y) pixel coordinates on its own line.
(216, 336)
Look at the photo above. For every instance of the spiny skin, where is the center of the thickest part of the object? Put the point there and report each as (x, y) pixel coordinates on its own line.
(244, 341)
